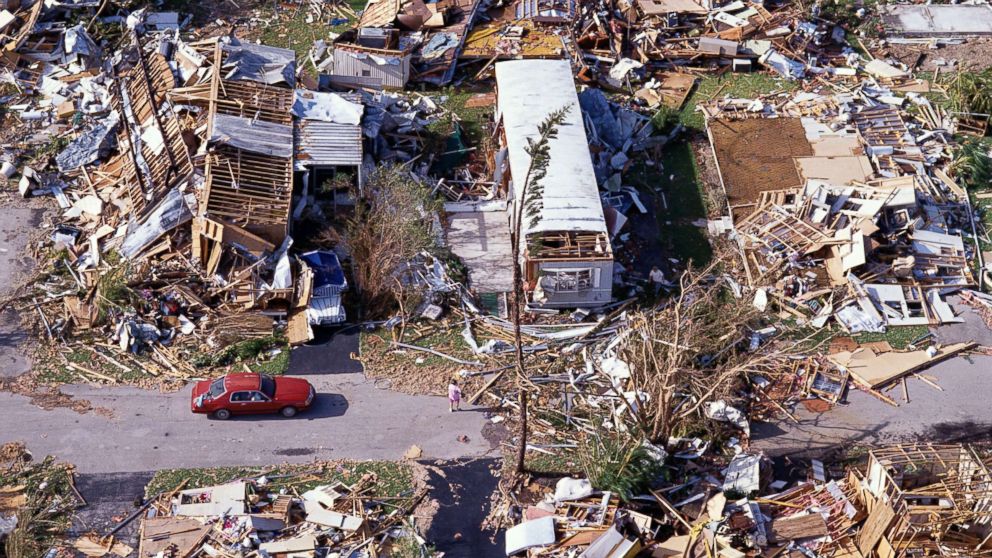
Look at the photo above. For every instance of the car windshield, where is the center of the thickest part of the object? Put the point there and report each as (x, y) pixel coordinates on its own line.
(268, 386)
(216, 388)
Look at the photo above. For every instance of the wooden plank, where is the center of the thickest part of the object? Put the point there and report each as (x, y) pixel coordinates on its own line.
(874, 527)
(873, 371)
(298, 330)
(797, 527)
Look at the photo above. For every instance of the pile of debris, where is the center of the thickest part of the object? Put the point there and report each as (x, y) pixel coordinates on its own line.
(175, 187)
(912, 500)
(247, 518)
(855, 218)
(37, 500)
(652, 49)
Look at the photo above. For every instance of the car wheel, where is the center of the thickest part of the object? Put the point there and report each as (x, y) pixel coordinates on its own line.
(288, 412)
(222, 414)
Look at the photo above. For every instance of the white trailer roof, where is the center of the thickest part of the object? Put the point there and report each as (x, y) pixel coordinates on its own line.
(527, 91)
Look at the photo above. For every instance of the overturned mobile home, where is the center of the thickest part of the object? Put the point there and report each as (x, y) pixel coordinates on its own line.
(567, 260)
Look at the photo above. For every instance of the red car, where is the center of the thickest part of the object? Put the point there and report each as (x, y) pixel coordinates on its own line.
(250, 394)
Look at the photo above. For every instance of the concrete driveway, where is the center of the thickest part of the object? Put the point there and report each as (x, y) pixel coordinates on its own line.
(151, 430)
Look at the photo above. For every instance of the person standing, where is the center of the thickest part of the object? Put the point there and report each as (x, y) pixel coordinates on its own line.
(454, 396)
(657, 278)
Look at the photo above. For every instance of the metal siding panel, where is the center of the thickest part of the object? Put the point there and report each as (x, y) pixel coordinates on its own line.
(327, 144)
(389, 76)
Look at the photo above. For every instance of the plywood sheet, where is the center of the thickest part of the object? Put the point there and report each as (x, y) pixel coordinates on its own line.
(158, 533)
(875, 526)
(839, 171)
(837, 146)
(662, 7)
(797, 527)
(873, 369)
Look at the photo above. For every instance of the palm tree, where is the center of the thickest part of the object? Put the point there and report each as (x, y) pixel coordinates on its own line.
(532, 196)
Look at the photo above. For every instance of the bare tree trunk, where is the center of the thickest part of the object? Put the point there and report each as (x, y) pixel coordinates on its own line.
(518, 288)
(536, 169)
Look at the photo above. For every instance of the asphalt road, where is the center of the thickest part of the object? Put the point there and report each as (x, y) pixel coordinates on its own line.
(959, 413)
(14, 223)
(149, 430)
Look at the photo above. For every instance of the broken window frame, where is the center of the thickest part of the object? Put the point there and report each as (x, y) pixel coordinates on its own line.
(584, 280)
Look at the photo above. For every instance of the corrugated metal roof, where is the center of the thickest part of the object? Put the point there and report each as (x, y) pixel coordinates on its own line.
(321, 143)
(527, 91)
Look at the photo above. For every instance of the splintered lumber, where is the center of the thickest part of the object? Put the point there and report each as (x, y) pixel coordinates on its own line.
(797, 527)
(871, 369)
(437, 353)
(159, 533)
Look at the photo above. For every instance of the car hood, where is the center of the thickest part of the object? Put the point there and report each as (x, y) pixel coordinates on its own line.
(291, 389)
(201, 387)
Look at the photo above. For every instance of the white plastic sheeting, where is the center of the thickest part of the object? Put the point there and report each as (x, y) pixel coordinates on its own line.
(327, 107)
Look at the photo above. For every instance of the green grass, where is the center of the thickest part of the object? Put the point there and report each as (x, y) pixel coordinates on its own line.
(678, 178)
(275, 366)
(357, 5)
(52, 370)
(984, 208)
(289, 29)
(560, 461)
(690, 243)
(44, 520)
(473, 119)
(447, 341)
(393, 478)
(745, 86)
(253, 352)
(897, 337)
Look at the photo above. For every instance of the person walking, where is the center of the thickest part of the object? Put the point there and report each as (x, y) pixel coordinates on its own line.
(454, 396)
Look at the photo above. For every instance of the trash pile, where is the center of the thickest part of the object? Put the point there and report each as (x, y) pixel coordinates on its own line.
(858, 219)
(394, 42)
(246, 517)
(37, 500)
(652, 49)
(908, 500)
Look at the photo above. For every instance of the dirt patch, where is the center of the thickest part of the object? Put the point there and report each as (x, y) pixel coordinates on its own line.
(48, 397)
(965, 431)
(496, 434)
(708, 175)
(11, 451)
(816, 405)
(755, 155)
(973, 54)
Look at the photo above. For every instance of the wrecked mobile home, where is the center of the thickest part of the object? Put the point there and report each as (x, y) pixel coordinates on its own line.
(210, 175)
(846, 199)
(567, 259)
